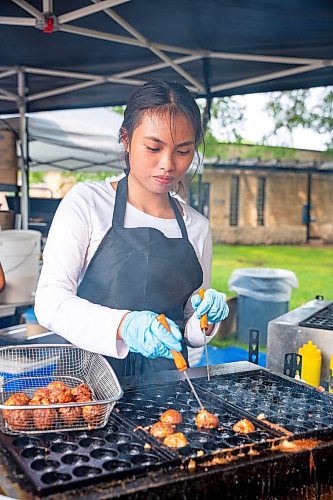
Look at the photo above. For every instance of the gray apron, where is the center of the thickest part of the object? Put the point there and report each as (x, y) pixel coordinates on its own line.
(140, 269)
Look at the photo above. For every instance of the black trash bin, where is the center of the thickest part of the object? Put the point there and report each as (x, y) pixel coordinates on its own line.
(262, 295)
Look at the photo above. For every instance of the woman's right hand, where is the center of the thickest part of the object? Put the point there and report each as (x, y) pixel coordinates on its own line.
(144, 334)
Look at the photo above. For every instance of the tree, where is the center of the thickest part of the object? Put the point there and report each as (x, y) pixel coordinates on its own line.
(228, 113)
(293, 109)
(118, 109)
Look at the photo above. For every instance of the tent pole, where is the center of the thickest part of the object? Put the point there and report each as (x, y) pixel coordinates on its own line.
(24, 147)
(207, 111)
(308, 209)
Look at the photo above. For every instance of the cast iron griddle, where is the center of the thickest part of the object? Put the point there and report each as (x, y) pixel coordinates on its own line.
(144, 407)
(57, 461)
(322, 319)
(60, 461)
(296, 407)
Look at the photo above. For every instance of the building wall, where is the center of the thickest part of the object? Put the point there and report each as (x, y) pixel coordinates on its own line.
(285, 198)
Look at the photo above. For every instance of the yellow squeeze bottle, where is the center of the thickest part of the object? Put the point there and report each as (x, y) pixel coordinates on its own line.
(330, 385)
(311, 363)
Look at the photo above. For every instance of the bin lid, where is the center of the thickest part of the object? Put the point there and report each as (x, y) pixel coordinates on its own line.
(263, 283)
(264, 273)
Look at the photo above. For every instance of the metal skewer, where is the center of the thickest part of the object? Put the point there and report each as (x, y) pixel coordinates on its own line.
(180, 361)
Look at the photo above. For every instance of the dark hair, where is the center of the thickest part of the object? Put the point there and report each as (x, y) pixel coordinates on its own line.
(160, 97)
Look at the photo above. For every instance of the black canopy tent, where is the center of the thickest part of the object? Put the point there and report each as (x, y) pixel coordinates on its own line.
(82, 53)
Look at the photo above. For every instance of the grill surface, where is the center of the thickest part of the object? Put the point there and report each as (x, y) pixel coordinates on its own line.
(297, 408)
(57, 461)
(54, 461)
(144, 407)
(322, 319)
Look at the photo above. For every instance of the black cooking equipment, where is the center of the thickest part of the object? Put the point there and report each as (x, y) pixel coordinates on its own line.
(56, 461)
(296, 407)
(241, 466)
(322, 319)
(145, 406)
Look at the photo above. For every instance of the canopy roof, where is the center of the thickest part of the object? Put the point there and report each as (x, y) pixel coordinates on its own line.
(81, 139)
(94, 53)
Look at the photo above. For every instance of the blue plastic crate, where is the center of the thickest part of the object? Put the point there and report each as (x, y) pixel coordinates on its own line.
(34, 378)
(218, 355)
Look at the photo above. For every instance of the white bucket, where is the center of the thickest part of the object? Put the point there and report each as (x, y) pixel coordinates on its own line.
(19, 256)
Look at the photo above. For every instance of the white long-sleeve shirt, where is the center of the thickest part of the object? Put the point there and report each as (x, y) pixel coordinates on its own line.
(80, 223)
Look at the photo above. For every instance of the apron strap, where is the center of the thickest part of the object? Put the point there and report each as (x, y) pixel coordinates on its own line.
(120, 203)
(120, 208)
(179, 218)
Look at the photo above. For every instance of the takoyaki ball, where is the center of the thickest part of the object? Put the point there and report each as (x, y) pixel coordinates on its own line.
(206, 420)
(244, 426)
(41, 394)
(18, 420)
(81, 391)
(18, 399)
(171, 417)
(161, 430)
(45, 418)
(59, 392)
(70, 415)
(92, 414)
(176, 440)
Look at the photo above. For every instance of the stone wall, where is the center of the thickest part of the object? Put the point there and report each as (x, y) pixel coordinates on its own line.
(285, 197)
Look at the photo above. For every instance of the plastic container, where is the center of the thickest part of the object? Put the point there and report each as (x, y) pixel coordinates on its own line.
(311, 363)
(263, 295)
(19, 256)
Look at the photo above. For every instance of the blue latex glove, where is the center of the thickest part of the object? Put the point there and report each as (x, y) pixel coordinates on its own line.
(213, 304)
(144, 334)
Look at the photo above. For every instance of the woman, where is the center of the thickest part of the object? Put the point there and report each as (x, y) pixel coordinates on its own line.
(118, 254)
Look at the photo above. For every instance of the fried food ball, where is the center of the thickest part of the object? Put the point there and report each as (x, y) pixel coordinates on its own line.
(171, 417)
(206, 420)
(44, 419)
(92, 414)
(59, 392)
(244, 426)
(81, 391)
(18, 420)
(176, 440)
(70, 415)
(41, 394)
(161, 430)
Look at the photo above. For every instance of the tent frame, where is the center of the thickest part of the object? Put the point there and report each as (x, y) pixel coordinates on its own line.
(47, 21)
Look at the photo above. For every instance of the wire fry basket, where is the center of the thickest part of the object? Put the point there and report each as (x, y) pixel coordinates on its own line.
(25, 369)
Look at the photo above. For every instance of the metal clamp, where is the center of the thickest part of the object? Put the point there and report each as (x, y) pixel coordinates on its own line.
(293, 365)
(254, 346)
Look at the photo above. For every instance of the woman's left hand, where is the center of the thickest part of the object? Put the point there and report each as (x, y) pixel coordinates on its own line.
(213, 303)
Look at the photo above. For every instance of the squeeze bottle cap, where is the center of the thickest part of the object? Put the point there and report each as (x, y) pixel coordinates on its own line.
(311, 350)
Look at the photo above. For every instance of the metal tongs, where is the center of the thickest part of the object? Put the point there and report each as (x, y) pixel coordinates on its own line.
(204, 327)
(179, 360)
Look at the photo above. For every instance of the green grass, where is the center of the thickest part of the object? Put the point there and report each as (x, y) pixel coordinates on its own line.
(313, 267)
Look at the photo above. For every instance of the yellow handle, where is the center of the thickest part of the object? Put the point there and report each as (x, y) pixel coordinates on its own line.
(204, 318)
(177, 356)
